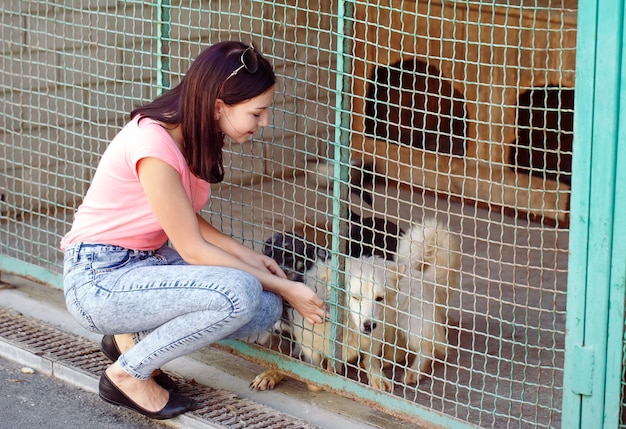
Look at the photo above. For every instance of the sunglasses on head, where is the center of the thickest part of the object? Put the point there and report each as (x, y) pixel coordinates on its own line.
(249, 62)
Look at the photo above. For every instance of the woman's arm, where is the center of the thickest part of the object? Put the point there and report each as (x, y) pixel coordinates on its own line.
(232, 246)
(171, 206)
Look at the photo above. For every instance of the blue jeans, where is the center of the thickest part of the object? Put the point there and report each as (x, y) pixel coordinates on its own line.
(173, 307)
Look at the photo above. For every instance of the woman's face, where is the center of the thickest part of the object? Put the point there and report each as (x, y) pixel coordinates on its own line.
(240, 121)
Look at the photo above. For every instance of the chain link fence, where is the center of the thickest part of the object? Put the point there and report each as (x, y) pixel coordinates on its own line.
(386, 115)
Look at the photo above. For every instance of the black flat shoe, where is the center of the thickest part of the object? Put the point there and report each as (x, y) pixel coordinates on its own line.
(176, 404)
(108, 346)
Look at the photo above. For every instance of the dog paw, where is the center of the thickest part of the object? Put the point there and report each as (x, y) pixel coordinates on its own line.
(267, 380)
(412, 377)
(314, 388)
(381, 383)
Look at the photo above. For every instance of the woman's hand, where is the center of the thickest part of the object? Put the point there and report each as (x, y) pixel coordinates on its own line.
(261, 262)
(306, 302)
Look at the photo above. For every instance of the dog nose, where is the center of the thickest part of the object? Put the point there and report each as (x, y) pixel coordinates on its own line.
(368, 326)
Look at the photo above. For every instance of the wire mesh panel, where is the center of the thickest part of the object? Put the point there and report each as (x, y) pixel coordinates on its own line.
(416, 173)
(70, 74)
(474, 100)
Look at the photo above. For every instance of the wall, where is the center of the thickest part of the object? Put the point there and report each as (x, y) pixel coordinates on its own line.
(490, 54)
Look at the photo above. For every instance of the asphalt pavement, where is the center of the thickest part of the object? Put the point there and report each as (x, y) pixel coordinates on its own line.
(32, 400)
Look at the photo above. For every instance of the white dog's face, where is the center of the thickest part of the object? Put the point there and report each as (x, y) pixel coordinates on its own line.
(366, 280)
(366, 294)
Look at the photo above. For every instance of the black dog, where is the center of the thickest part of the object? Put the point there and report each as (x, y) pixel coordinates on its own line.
(369, 236)
(372, 236)
(293, 254)
(363, 179)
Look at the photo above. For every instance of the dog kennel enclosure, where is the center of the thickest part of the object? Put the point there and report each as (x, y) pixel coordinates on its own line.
(501, 118)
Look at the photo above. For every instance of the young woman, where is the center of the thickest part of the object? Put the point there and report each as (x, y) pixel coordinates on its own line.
(154, 177)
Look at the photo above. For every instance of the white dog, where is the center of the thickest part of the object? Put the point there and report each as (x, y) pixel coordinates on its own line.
(395, 311)
(362, 322)
(428, 264)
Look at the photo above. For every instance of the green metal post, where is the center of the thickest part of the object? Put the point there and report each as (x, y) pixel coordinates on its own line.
(341, 160)
(615, 349)
(595, 296)
(163, 44)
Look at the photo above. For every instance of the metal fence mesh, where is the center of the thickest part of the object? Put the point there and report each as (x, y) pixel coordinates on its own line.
(462, 110)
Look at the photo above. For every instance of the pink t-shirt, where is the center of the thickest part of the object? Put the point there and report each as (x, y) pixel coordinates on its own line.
(115, 209)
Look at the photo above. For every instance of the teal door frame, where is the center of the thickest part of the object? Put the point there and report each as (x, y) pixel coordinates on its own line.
(597, 261)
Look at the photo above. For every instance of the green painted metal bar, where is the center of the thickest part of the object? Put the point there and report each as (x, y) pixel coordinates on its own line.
(606, 103)
(30, 271)
(615, 340)
(341, 172)
(579, 215)
(164, 19)
(592, 214)
(349, 388)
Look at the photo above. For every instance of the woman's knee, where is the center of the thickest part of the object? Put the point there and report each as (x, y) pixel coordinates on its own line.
(269, 312)
(272, 305)
(246, 292)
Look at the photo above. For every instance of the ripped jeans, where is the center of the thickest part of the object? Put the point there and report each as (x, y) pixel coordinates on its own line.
(172, 307)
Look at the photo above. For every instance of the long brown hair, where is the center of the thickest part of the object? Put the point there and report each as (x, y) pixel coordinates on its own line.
(191, 104)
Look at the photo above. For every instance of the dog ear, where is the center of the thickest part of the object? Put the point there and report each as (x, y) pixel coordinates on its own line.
(274, 243)
(398, 271)
(267, 247)
(322, 254)
(310, 250)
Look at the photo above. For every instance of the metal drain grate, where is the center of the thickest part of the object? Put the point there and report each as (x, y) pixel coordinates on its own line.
(219, 407)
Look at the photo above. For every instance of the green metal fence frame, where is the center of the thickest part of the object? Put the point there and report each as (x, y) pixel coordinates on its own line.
(597, 261)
